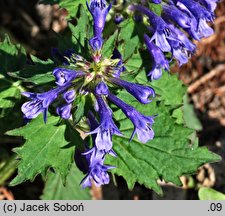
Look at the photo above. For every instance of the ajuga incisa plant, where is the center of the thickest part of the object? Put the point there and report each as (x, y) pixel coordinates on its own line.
(99, 78)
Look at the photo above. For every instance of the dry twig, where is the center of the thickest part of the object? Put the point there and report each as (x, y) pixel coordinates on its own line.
(194, 86)
(5, 194)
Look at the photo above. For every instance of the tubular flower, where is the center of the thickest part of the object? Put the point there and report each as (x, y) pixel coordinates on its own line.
(159, 61)
(156, 1)
(40, 102)
(107, 127)
(170, 31)
(64, 111)
(97, 170)
(101, 89)
(99, 11)
(119, 67)
(142, 124)
(161, 31)
(140, 92)
(200, 16)
(64, 76)
(85, 86)
(171, 12)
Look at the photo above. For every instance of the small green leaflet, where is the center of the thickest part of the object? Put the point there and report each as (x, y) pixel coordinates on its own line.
(128, 38)
(190, 117)
(210, 194)
(77, 36)
(9, 94)
(169, 89)
(8, 165)
(12, 57)
(80, 32)
(109, 45)
(70, 5)
(46, 146)
(156, 8)
(40, 72)
(55, 190)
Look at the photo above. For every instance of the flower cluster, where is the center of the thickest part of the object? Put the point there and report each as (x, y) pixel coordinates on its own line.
(94, 78)
(170, 32)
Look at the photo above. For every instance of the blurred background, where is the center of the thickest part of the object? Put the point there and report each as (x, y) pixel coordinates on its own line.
(34, 26)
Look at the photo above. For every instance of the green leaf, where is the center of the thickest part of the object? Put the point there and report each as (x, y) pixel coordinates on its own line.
(12, 57)
(8, 169)
(156, 8)
(168, 156)
(70, 5)
(109, 45)
(190, 117)
(174, 150)
(51, 2)
(79, 104)
(186, 115)
(178, 114)
(39, 72)
(81, 31)
(210, 194)
(9, 94)
(129, 39)
(12, 118)
(168, 88)
(46, 146)
(134, 64)
(55, 190)
(171, 90)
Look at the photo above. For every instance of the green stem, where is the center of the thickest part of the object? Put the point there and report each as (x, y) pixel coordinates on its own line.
(8, 169)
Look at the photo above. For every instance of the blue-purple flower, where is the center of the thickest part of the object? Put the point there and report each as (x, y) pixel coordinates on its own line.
(99, 11)
(95, 157)
(169, 31)
(97, 170)
(209, 4)
(64, 111)
(96, 43)
(93, 81)
(199, 16)
(64, 76)
(159, 61)
(156, 1)
(161, 31)
(101, 89)
(119, 67)
(106, 128)
(118, 18)
(140, 92)
(142, 124)
(39, 102)
(69, 96)
(171, 12)
(183, 37)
